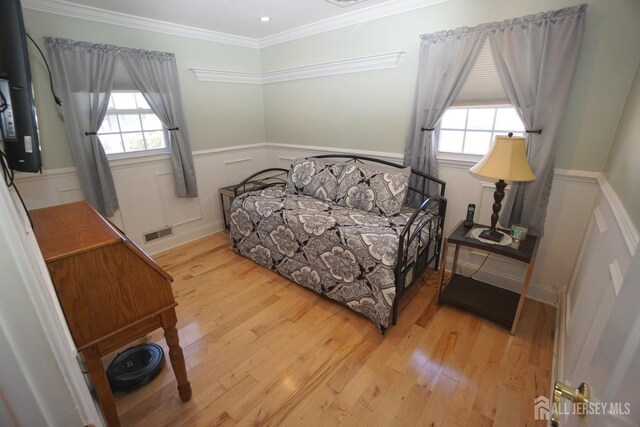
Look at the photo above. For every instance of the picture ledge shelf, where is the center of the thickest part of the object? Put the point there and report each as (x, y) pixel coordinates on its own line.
(344, 66)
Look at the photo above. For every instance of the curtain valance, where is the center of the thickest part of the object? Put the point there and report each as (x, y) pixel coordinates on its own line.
(89, 47)
(551, 17)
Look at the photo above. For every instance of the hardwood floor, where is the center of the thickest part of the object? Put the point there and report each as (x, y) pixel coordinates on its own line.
(261, 350)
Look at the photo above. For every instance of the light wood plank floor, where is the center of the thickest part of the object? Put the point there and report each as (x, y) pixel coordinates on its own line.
(261, 350)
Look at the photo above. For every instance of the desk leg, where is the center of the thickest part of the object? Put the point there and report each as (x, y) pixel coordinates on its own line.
(169, 321)
(443, 266)
(523, 296)
(101, 384)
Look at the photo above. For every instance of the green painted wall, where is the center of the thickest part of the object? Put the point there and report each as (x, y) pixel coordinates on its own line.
(368, 110)
(622, 169)
(218, 114)
(371, 110)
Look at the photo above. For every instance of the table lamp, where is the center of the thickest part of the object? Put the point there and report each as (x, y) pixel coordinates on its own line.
(505, 160)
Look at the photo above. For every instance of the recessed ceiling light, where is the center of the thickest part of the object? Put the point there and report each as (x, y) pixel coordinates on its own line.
(265, 18)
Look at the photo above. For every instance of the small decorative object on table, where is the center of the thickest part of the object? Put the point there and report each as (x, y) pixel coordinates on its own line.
(519, 232)
(506, 160)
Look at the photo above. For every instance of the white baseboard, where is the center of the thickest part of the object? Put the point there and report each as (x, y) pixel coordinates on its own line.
(183, 238)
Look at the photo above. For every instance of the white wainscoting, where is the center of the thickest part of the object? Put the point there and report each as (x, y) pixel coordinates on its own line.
(609, 243)
(146, 193)
(572, 200)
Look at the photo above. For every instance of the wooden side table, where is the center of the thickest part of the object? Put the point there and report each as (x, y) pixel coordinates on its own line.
(500, 305)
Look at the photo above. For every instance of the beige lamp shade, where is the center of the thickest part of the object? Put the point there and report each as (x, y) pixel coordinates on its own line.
(506, 159)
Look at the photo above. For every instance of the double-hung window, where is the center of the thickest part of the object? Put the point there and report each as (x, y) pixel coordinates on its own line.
(470, 130)
(131, 127)
(480, 112)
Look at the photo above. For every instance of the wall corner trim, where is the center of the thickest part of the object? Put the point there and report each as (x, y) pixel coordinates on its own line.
(627, 227)
(343, 66)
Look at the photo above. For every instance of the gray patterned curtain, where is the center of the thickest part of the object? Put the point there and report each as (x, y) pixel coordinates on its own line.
(83, 74)
(446, 59)
(536, 57)
(155, 74)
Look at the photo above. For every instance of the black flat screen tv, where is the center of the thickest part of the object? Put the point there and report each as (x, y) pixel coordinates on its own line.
(18, 121)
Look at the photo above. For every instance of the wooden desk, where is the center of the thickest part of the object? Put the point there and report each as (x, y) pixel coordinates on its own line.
(500, 305)
(111, 292)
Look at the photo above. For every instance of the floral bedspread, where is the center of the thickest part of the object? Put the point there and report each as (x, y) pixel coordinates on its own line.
(345, 254)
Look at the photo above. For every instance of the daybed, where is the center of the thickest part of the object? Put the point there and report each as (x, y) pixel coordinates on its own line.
(343, 228)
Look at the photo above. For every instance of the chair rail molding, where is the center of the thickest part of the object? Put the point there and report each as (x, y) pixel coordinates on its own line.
(342, 66)
(627, 227)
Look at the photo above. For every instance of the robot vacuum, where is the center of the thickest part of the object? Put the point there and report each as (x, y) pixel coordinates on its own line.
(135, 367)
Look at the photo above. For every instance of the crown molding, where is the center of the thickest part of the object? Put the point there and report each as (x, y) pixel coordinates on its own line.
(359, 16)
(73, 10)
(220, 76)
(344, 66)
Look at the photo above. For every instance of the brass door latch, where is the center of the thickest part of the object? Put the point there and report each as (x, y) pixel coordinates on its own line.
(580, 395)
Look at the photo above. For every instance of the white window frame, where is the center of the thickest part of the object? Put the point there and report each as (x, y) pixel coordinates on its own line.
(138, 112)
(454, 155)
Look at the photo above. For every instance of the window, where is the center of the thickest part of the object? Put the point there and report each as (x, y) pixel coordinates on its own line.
(130, 126)
(480, 111)
(470, 130)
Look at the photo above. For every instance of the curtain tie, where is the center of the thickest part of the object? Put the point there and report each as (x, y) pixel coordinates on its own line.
(172, 129)
(538, 131)
(428, 129)
(90, 133)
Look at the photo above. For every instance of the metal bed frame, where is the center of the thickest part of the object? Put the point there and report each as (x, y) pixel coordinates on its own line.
(433, 206)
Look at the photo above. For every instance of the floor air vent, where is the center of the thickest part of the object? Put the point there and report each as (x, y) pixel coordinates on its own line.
(158, 234)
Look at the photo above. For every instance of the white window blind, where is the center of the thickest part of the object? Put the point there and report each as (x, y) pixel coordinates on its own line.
(483, 86)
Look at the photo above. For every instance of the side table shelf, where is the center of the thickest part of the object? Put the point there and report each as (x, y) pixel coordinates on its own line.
(500, 305)
(495, 303)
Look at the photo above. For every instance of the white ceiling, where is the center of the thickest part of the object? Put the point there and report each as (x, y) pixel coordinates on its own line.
(237, 17)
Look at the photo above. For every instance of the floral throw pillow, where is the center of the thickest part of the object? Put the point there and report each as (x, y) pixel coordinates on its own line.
(373, 189)
(314, 177)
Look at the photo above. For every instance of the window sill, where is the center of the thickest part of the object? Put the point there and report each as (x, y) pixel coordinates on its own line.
(458, 159)
(141, 157)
